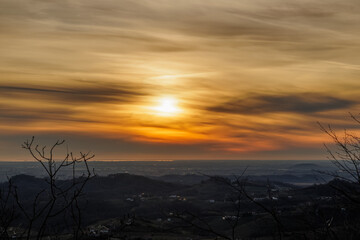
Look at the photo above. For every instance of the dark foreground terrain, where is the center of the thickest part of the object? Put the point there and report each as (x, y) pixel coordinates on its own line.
(124, 206)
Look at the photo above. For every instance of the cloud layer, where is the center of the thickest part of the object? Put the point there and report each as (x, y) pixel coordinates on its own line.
(251, 78)
(297, 103)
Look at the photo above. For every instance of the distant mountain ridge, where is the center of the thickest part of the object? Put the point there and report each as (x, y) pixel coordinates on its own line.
(306, 165)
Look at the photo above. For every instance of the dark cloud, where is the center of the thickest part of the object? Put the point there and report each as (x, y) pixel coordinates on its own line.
(61, 104)
(240, 28)
(299, 11)
(19, 115)
(306, 103)
(94, 93)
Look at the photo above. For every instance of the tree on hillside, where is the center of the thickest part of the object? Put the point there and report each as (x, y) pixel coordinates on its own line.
(344, 153)
(7, 210)
(39, 216)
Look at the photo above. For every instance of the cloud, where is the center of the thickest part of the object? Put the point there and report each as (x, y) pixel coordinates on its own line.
(85, 94)
(259, 54)
(25, 115)
(85, 102)
(301, 103)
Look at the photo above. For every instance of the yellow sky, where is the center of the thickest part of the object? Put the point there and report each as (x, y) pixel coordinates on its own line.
(190, 79)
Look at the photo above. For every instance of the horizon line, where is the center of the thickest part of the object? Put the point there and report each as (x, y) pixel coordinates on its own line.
(172, 160)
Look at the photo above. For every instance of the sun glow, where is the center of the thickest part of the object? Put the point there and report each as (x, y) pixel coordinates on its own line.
(167, 106)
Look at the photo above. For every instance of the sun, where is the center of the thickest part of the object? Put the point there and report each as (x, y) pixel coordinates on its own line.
(167, 106)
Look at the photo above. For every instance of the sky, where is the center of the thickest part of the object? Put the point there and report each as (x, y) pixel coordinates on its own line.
(189, 79)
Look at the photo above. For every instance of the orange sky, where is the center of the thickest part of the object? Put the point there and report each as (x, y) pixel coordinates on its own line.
(191, 79)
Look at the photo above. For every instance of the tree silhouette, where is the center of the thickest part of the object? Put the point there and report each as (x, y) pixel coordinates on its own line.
(57, 199)
(345, 156)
